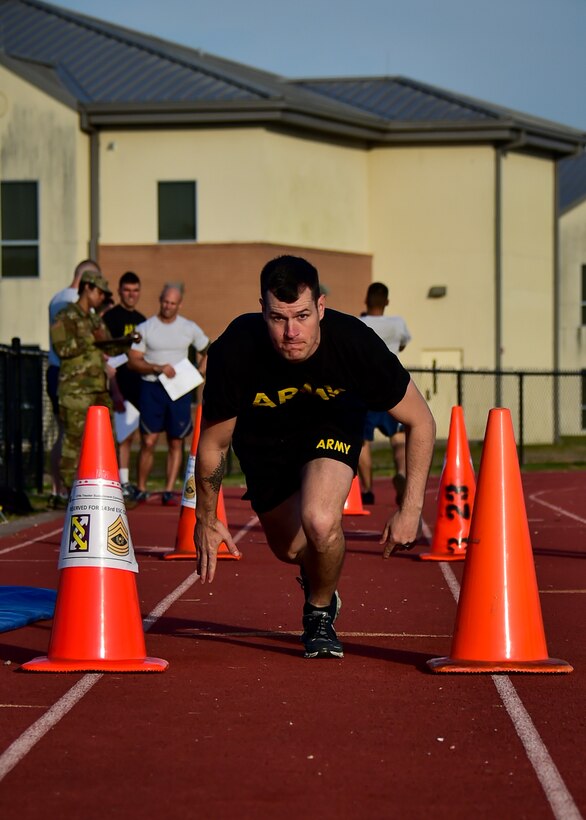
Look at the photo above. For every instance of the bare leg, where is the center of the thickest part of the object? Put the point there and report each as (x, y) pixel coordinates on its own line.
(307, 528)
(145, 459)
(365, 467)
(174, 456)
(399, 479)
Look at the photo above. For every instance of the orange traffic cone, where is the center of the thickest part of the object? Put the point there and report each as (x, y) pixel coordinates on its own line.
(97, 625)
(353, 504)
(499, 627)
(184, 543)
(455, 496)
(223, 552)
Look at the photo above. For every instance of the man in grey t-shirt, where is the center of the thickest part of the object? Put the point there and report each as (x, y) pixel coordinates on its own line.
(165, 341)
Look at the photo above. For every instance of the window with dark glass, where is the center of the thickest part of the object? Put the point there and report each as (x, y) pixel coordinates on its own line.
(177, 202)
(19, 229)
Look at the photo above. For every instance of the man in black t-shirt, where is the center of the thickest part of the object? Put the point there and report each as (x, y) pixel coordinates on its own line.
(290, 387)
(121, 320)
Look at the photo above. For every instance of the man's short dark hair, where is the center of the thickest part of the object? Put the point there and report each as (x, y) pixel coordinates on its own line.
(286, 276)
(128, 278)
(377, 295)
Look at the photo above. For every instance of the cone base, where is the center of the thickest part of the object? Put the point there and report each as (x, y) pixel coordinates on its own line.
(548, 665)
(435, 556)
(192, 556)
(356, 512)
(46, 664)
(170, 556)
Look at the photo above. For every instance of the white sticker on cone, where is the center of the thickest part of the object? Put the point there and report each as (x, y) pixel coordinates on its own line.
(188, 498)
(96, 531)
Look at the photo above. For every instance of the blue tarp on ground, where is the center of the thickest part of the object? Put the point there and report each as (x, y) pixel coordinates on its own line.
(20, 606)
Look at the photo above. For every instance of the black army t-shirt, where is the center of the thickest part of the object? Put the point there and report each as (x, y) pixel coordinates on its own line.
(121, 322)
(351, 371)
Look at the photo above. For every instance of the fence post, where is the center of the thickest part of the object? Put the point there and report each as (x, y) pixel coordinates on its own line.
(14, 420)
(521, 419)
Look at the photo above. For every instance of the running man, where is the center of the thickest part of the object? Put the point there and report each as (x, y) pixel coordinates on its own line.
(290, 387)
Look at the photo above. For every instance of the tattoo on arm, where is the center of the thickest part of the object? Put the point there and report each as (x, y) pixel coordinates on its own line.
(215, 479)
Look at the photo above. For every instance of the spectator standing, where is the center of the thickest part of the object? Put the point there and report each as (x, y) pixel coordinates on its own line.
(80, 339)
(58, 499)
(121, 320)
(289, 388)
(395, 334)
(165, 341)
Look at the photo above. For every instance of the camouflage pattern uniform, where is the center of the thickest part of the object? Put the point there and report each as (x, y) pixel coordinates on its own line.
(82, 378)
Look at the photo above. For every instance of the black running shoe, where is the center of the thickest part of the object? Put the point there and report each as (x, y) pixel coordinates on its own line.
(335, 604)
(319, 636)
(367, 498)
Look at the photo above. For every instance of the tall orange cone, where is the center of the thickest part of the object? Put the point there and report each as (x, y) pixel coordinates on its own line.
(353, 504)
(455, 496)
(184, 542)
(97, 625)
(499, 626)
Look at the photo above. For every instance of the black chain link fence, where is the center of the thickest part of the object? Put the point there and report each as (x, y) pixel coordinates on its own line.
(546, 407)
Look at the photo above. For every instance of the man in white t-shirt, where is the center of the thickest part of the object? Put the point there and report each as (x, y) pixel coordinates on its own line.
(166, 338)
(394, 332)
(58, 497)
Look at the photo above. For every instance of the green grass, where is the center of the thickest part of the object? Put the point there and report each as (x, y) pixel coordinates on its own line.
(569, 454)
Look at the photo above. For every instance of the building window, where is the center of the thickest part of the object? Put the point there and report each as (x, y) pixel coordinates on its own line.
(177, 211)
(19, 227)
(584, 294)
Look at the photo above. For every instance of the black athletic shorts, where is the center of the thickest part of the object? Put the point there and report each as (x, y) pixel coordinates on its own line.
(273, 466)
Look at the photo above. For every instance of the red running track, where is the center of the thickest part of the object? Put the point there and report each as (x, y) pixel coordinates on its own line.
(241, 726)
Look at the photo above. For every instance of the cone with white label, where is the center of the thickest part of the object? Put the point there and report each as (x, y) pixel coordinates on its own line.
(97, 625)
(184, 541)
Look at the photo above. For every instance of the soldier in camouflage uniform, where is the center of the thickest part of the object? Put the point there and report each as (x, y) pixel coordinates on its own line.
(80, 339)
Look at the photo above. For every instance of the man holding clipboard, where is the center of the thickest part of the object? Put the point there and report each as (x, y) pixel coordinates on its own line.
(167, 381)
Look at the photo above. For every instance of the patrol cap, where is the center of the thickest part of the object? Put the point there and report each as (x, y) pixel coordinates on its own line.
(94, 277)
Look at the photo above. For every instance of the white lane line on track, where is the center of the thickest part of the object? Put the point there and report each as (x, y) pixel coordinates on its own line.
(556, 792)
(31, 541)
(560, 510)
(18, 750)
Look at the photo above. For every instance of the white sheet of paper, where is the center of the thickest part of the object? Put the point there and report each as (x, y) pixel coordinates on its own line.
(127, 422)
(117, 361)
(186, 378)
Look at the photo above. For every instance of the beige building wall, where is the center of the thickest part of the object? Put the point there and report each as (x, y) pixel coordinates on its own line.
(40, 141)
(528, 223)
(252, 185)
(572, 258)
(432, 225)
(572, 331)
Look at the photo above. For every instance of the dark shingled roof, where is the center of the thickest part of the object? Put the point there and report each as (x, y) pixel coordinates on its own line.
(118, 77)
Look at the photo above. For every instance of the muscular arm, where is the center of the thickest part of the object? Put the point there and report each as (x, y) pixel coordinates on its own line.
(137, 361)
(210, 466)
(414, 413)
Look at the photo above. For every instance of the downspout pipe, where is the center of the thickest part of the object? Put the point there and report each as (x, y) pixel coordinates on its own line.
(94, 193)
(498, 242)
